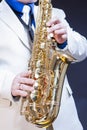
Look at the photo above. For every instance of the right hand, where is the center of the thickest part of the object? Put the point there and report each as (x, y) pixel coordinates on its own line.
(22, 84)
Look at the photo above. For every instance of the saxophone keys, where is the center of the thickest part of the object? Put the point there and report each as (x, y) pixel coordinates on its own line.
(35, 95)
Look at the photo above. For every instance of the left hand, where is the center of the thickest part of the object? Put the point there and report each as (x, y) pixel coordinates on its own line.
(59, 30)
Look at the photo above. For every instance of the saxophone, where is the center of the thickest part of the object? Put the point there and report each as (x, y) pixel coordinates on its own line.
(41, 107)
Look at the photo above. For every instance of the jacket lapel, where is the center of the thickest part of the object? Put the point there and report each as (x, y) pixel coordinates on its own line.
(16, 25)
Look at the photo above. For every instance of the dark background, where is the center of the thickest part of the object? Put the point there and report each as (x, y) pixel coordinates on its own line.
(76, 15)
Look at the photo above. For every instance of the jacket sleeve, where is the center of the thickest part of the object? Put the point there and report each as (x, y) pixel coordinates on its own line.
(6, 78)
(76, 43)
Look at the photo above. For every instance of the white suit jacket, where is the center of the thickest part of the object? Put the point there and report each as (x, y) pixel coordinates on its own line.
(15, 51)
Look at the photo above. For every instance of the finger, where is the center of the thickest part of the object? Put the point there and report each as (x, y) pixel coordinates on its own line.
(53, 21)
(24, 87)
(55, 27)
(60, 31)
(27, 81)
(20, 93)
(25, 74)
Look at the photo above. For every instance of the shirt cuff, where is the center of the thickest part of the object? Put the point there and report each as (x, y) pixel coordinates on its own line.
(62, 46)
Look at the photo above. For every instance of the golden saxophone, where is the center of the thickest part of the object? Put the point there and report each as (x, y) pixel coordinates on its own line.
(41, 107)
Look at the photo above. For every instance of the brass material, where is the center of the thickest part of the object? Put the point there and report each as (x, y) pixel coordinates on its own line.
(48, 65)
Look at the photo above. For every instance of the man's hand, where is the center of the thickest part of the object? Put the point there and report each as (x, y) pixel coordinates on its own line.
(58, 29)
(21, 84)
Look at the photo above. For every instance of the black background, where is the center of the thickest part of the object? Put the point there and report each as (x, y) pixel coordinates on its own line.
(76, 15)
